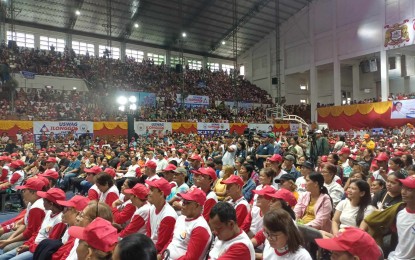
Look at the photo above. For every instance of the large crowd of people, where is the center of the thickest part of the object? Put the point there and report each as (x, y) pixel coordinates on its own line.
(226, 196)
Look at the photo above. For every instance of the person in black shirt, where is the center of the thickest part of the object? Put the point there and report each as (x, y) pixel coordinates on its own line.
(392, 195)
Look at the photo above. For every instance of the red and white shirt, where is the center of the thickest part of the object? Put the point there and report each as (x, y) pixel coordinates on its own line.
(160, 225)
(211, 200)
(138, 221)
(242, 208)
(94, 193)
(123, 213)
(16, 179)
(253, 222)
(33, 219)
(191, 239)
(111, 195)
(52, 228)
(239, 247)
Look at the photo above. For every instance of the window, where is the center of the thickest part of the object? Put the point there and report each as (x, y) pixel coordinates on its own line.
(82, 48)
(138, 56)
(227, 68)
(22, 39)
(242, 70)
(175, 60)
(194, 64)
(213, 66)
(47, 42)
(302, 101)
(115, 52)
(157, 58)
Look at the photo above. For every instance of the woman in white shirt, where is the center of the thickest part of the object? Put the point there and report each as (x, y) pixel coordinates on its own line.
(331, 183)
(351, 211)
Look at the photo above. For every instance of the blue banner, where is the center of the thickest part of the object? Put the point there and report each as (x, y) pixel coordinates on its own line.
(27, 74)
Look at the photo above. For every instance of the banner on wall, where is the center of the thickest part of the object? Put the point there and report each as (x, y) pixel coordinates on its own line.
(208, 128)
(193, 100)
(294, 127)
(261, 127)
(403, 109)
(142, 98)
(61, 128)
(399, 34)
(142, 128)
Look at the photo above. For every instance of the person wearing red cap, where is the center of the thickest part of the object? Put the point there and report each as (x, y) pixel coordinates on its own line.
(382, 161)
(352, 243)
(192, 235)
(150, 171)
(93, 210)
(72, 208)
(253, 223)
(35, 213)
(234, 186)
(105, 184)
(195, 163)
(283, 239)
(52, 176)
(15, 178)
(162, 216)
(138, 196)
(52, 226)
(4, 168)
(204, 179)
(230, 242)
(97, 240)
(405, 220)
(93, 192)
(275, 162)
(50, 163)
(122, 208)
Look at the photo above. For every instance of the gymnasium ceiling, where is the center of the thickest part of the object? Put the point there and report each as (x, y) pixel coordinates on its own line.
(207, 23)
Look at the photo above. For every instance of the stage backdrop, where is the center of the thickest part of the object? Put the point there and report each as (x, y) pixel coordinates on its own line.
(373, 115)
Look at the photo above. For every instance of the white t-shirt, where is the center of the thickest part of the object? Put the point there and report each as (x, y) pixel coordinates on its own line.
(405, 223)
(349, 213)
(229, 157)
(270, 254)
(300, 183)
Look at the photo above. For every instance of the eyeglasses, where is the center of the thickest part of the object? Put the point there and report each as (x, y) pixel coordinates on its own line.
(270, 236)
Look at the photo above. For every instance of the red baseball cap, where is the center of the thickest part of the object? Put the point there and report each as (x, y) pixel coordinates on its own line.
(170, 167)
(234, 179)
(345, 150)
(195, 157)
(74, 154)
(353, 157)
(408, 182)
(94, 170)
(285, 195)
(45, 180)
(99, 234)
(151, 164)
(62, 154)
(138, 172)
(195, 194)
(353, 240)
(51, 159)
(78, 202)
(18, 162)
(53, 194)
(110, 171)
(398, 153)
(206, 171)
(162, 184)
(32, 184)
(275, 158)
(382, 157)
(139, 190)
(5, 158)
(324, 158)
(267, 190)
(50, 173)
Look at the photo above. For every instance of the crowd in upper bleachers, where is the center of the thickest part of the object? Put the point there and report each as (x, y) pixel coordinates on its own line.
(223, 196)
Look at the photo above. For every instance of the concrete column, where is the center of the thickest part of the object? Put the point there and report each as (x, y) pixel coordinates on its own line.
(123, 46)
(68, 40)
(356, 81)
(407, 84)
(337, 87)
(168, 55)
(313, 86)
(384, 75)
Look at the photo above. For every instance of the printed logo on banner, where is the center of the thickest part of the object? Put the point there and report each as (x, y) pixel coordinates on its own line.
(141, 127)
(84, 128)
(44, 129)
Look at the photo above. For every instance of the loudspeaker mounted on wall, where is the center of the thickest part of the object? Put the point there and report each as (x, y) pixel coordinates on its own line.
(179, 68)
(274, 81)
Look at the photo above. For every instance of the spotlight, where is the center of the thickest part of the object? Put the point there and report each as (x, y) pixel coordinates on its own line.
(77, 12)
(121, 108)
(223, 42)
(74, 88)
(133, 107)
(136, 25)
(122, 100)
(132, 99)
(184, 35)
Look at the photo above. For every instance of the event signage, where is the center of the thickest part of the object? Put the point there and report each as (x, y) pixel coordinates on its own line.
(261, 127)
(145, 128)
(403, 109)
(399, 34)
(77, 128)
(193, 100)
(206, 128)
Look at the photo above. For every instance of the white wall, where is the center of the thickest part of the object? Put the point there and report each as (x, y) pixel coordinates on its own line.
(58, 83)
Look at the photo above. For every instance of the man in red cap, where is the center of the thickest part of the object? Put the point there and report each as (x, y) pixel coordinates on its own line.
(382, 161)
(14, 179)
(73, 208)
(35, 213)
(99, 235)
(234, 186)
(162, 216)
(192, 235)
(275, 162)
(52, 226)
(352, 243)
(195, 163)
(150, 171)
(4, 168)
(139, 195)
(52, 176)
(93, 192)
(50, 163)
(204, 179)
(405, 222)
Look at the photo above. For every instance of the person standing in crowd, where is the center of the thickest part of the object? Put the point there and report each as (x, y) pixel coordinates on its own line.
(162, 217)
(265, 150)
(161, 161)
(231, 242)
(195, 242)
(229, 150)
(289, 166)
(219, 188)
(234, 186)
(320, 145)
(294, 148)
